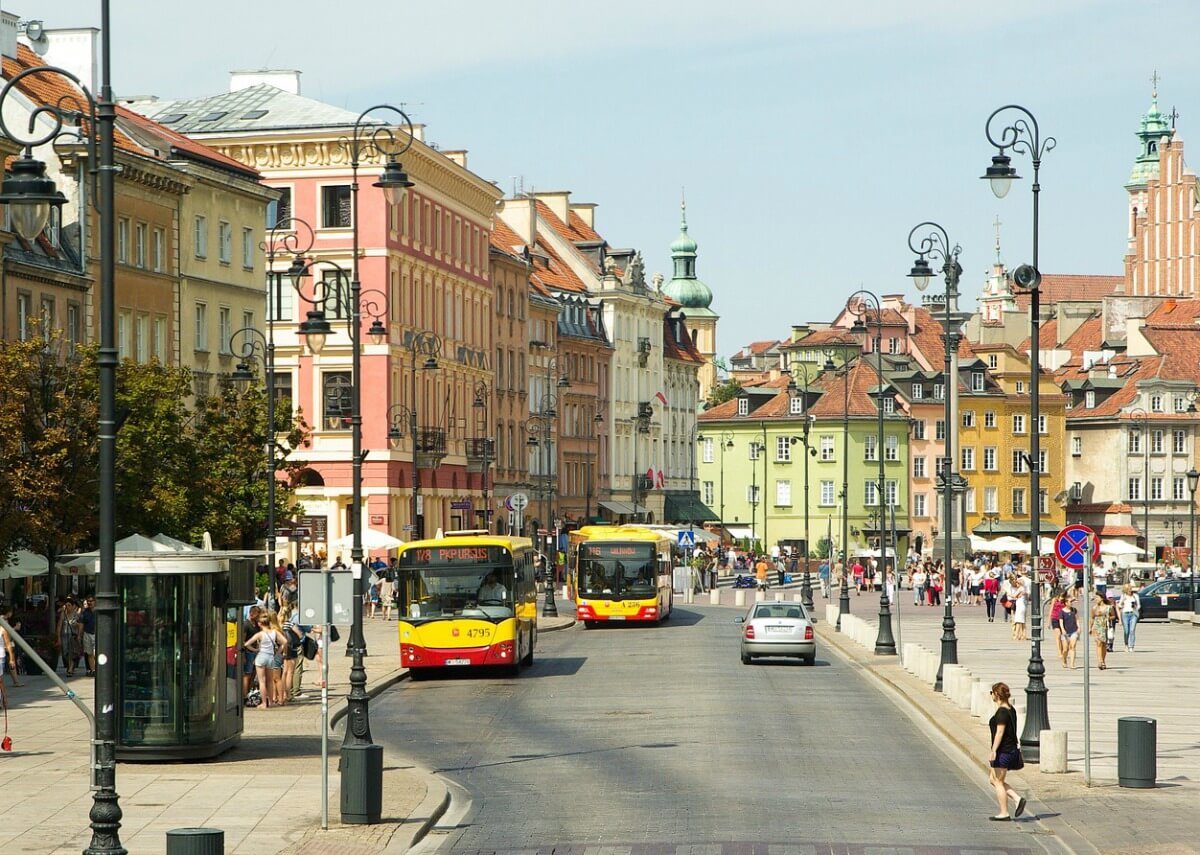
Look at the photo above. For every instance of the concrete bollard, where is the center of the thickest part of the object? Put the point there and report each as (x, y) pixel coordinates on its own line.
(910, 657)
(831, 614)
(931, 665)
(714, 597)
(981, 699)
(759, 595)
(689, 596)
(949, 675)
(1053, 752)
(779, 596)
(739, 597)
(966, 691)
(797, 598)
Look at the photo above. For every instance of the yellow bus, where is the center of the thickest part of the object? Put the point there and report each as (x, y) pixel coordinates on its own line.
(621, 573)
(467, 598)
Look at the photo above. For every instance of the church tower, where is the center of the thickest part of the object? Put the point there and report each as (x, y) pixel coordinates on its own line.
(1145, 166)
(695, 298)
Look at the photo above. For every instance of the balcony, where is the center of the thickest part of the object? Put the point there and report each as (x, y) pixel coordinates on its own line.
(481, 452)
(430, 447)
(645, 410)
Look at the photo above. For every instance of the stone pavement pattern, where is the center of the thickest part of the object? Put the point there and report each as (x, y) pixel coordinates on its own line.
(265, 793)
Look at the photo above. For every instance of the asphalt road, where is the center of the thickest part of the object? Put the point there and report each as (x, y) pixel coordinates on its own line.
(659, 740)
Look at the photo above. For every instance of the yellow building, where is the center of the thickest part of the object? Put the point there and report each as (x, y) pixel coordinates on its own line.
(994, 433)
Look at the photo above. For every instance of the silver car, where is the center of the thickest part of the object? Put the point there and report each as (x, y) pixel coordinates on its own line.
(777, 629)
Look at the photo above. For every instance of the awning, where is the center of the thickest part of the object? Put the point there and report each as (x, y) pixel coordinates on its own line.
(740, 531)
(1116, 547)
(685, 508)
(622, 508)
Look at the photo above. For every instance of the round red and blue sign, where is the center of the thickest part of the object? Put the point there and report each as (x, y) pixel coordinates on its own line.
(1070, 546)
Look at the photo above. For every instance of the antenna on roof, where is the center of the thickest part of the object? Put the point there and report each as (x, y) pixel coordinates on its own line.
(996, 223)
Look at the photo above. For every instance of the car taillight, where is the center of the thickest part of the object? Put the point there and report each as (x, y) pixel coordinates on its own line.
(749, 631)
(808, 633)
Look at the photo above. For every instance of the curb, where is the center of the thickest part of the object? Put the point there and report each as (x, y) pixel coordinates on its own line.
(378, 689)
(1065, 834)
(557, 628)
(431, 809)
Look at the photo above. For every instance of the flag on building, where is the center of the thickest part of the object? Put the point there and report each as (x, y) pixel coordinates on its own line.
(662, 398)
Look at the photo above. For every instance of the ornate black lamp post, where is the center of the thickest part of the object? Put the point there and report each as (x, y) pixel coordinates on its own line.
(597, 424)
(424, 348)
(862, 303)
(543, 422)
(844, 592)
(795, 391)
(1022, 135)
(935, 244)
(484, 447)
(1193, 480)
(32, 198)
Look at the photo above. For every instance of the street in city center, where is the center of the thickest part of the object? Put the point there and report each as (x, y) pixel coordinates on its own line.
(661, 736)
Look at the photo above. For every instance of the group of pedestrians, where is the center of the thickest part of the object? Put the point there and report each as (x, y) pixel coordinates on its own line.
(1107, 618)
(275, 647)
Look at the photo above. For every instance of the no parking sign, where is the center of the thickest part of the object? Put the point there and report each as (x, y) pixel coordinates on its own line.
(1070, 546)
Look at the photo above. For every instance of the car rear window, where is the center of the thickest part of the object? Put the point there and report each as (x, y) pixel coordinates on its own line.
(781, 610)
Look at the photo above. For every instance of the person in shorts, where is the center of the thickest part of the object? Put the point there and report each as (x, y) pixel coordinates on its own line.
(1005, 753)
(87, 621)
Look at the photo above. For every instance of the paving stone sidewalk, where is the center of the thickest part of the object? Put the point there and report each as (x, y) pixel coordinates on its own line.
(265, 793)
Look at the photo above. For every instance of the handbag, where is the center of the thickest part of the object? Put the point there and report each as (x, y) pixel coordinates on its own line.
(334, 635)
(1019, 763)
(308, 647)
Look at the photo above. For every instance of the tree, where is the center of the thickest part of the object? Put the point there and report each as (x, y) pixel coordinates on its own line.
(824, 547)
(727, 390)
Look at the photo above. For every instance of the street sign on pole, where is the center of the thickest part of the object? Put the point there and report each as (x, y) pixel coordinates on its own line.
(518, 501)
(686, 539)
(1071, 546)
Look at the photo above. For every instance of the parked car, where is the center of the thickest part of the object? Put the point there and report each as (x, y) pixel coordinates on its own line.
(777, 629)
(1166, 595)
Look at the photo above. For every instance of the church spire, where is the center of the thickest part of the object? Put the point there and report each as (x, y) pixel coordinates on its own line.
(1153, 128)
(684, 287)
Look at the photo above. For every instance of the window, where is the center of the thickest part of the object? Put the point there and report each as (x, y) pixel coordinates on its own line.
(1089, 399)
(707, 449)
(827, 497)
(889, 405)
(1135, 489)
(1019, 466)
(279, 212)
(1179, 488)
(870, 493)
(918, 429)
(160, 339)
(1156, 488)
(224, 242)
(752, 494)
(1156, 442)
(743, 406)
(1043, 424)
(1076, 446)
(1180, 404)
(139, 245)
(989, 458)
(918, 391)
(990, 500)
(247, 319)
(891, 447)
(891, 493)
(968, 418)
(783, 494)
(1178, 442)
(248, 248)
(1043, 502)
(826, 448)
(335, 395)
(1135, 442)
(1043, 461)
(989, 419)
(124, 322)
(918, 467)
(1156, 403)
(160, 250)
(992, 361)
(1018, 423)
(123, 240)
(939, 391)
(939, 429)
(200, 236)
(939, 463)
(976, 381)
(1018, 501)
(755, 450)
(707, 492)
(795, 406)
(870, 448)
(201, 327)
(282, 312)
(74, 325)
(893, 345)
(968, 459)
(1020, 387)
(335, 207)
(919, 505)
(969, 500)
(783, 449)
(224, 329)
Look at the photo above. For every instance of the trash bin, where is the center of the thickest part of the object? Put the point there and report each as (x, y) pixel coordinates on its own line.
(1137, 752)
(362, 784)
(195, 841)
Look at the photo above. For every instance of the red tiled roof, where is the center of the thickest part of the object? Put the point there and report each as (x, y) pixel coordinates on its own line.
(187, 145)
(757, 348)
(553, 272)
(1118, 531)
(1059, 287)
(817, 338)
(581, 229)
(832, 384)
(1103, 508)
(684, 350)
(505, 239)
(1178, 314)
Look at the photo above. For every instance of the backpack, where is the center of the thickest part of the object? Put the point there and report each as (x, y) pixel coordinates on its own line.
(295, 640)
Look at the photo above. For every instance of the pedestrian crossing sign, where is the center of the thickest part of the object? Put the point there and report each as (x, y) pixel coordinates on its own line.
(686, 539)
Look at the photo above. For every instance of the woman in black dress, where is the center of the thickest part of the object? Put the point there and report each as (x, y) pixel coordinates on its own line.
(1006, 752)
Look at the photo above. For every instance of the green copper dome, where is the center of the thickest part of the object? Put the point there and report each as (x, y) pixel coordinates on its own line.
(1153, 128)
(693, 295)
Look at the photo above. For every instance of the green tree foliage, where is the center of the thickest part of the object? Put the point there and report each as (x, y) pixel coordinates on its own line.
(722, 392)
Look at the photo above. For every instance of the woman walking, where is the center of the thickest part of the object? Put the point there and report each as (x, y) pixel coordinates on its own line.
(1056, 622)
(1131, 610)
(1099, 629)
(1005, 755)
(387, 593)
(1019, 600)
(991, 590)
(294, 634)
(68, 636)
(1069, 621)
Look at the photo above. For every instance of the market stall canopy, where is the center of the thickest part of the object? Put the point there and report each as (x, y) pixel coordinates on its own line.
(1007, 543)
(23, 564)
(141, 555)
(1116, 547)
(372, 540)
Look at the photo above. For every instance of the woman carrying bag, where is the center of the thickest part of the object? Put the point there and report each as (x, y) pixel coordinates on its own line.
(1131, 610)
(1005, 755)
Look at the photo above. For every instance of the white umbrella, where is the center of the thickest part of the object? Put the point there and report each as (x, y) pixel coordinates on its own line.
(1117, 547)
(23, 564)
(1007, 543)
(372, 540)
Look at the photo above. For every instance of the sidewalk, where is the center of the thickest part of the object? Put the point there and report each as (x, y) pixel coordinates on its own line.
(265, 793)
(1161, 680)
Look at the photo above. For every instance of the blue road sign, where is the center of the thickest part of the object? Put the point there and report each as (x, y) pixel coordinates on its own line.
(686, 539)
(1070, 546)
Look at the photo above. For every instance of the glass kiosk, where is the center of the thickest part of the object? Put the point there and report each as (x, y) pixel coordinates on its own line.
(179, 693)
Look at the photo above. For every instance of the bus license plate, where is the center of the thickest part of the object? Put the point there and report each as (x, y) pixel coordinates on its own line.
(616, 617)
(458, 661)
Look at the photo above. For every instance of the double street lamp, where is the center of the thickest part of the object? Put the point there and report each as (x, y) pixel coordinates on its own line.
(1193, 480)
(1019, 132)
(844, 587)
(795, 391)
(424, 347)
(724, 442)
(594, 469)
(484, 447)
(935, 245)
(862, 303)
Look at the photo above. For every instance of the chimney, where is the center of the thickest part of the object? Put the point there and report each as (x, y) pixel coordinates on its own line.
(8, 34)
(281, 78)
(558, 201)
(799, 331)
(76, 50)
(520, 215)
(459, 156)
(1136, 343)
(586, 212)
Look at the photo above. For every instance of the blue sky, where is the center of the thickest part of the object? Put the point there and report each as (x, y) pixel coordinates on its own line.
(810, 136)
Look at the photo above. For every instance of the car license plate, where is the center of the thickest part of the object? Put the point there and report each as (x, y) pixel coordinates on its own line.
(458, 661)
(778, 630)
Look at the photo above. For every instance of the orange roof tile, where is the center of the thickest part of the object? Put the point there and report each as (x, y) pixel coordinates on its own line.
(683, 350)
(1060, 287)
(505, 239)
(186, 144)
(581, 228)
(553, 271)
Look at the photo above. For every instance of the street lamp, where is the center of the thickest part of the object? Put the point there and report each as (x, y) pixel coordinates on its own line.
(1023, 135)
(1193, 479)
(725, 441)
(793, 392)
(597, 423)
(844, 591)
(32, 199)
(424, 348)
(1139, 415)
(483, 447)
(543, 422)
(936, 245)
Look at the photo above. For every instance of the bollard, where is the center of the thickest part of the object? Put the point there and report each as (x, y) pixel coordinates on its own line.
(362, 784)
(195, 841)
(797, 598)
(931, 667)
(779, 596)
(908, 651)
(689, 596)
(949, 674)
(759, 595)
(739, 597)
(981, 699)
(1137, 752)
(831, 614)
(1052, 756)
(714, 597)
(966, 691)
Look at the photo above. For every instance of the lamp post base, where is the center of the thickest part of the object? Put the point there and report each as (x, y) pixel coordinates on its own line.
(885, 641)
(949, 646)
(806, 599)
(843, 607)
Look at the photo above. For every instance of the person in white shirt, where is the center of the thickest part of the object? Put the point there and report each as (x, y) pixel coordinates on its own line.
(492, 590)
(1131, 609)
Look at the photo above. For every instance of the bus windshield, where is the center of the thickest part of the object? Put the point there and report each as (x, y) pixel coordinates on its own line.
(470, 582)
(618, 570)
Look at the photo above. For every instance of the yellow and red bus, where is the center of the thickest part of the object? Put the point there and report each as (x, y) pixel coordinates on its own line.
(467, 599)
(621, 573)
